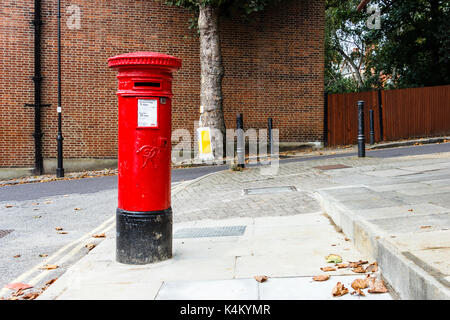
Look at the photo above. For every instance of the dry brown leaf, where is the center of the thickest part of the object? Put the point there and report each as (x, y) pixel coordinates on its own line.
(261, 278)
(31, 296)
(58, 228)
(17, 256)
(90, 246)
(373, 267)
(8, 206)
(347, 239)
(377, 286)
(355, 264)
(425, 227)
(358, 292)
(360, 284)
(342, 265)
(359, 269)
(43, 255)
(328, 269)
(50, 267)
(50, 282)
(76, 209)
(323, 277)
(62, 232)
(99, 235)
(339, 290)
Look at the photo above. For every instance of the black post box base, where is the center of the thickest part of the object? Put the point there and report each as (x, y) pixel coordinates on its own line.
(143, 237)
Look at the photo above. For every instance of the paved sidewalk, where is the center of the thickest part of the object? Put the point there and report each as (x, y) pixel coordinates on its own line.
(394, 211)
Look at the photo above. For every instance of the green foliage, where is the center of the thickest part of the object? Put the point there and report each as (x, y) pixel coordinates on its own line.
(241, 7)
(413, 44)
(412, 47)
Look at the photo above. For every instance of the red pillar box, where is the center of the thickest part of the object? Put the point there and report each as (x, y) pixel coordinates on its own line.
(144, 214)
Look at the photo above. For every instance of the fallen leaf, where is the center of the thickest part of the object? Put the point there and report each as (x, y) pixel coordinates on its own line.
(373, 267)
(333, 258)
(325, 269)
(50, 282)
(62, 232)
(260, 278)
(347, 239)
(58, 228)
(31, 296)
(358, 292)
(35, 203)
(359, 269)
(323, 277)
(410, 210)
(360, 284)
(18, 286)
(99, 235)
(8, 206)
(377, 286)
(339, 290)
(342, 265)
(48, 202)
(357, 263)
(43, 255)
(425, 227)
(90, 246)
(50, 267)
(76, 209)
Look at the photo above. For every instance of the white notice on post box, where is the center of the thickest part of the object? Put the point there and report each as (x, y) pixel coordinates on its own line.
(148, 113)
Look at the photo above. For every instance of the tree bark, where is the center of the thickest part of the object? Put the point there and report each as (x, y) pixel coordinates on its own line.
(211, 107)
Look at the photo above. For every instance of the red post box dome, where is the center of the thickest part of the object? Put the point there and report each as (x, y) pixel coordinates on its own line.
(143, 59)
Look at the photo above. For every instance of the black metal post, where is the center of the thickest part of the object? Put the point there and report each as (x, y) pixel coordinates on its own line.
(59, 138)
(380, 112)
(240, 140)
(269, 124)
(37, 78)
(361, 137)
(372, 130)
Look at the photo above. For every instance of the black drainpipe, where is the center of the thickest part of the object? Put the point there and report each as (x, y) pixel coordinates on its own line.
(37, 78)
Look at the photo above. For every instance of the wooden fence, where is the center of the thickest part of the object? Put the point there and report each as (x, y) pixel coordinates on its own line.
(398, 114)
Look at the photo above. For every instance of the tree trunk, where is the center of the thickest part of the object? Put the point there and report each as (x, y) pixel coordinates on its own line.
(211, 109)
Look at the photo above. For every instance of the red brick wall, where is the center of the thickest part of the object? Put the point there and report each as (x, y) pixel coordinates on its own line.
(273, 68)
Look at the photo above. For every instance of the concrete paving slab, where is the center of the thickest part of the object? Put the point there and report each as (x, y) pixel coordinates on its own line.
(305, 288)
(413, 223)
(113, 291)
(402, 211)
(389, 173)
(422, 240)
(236, 289)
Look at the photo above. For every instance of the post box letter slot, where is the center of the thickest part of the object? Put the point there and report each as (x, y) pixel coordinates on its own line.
(148, 84)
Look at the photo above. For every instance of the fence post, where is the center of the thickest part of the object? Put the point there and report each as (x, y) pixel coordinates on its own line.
(361, 137)
(240, 141)
(372, 131)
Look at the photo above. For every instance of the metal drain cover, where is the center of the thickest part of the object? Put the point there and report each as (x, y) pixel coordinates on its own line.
(332, 167)
(4, 233)
(209, 232)
(266, 190)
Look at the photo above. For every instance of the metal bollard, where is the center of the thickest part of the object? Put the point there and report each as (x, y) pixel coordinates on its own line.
(361, 137)
(240, 141)
(372, 130)
(269, 124)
